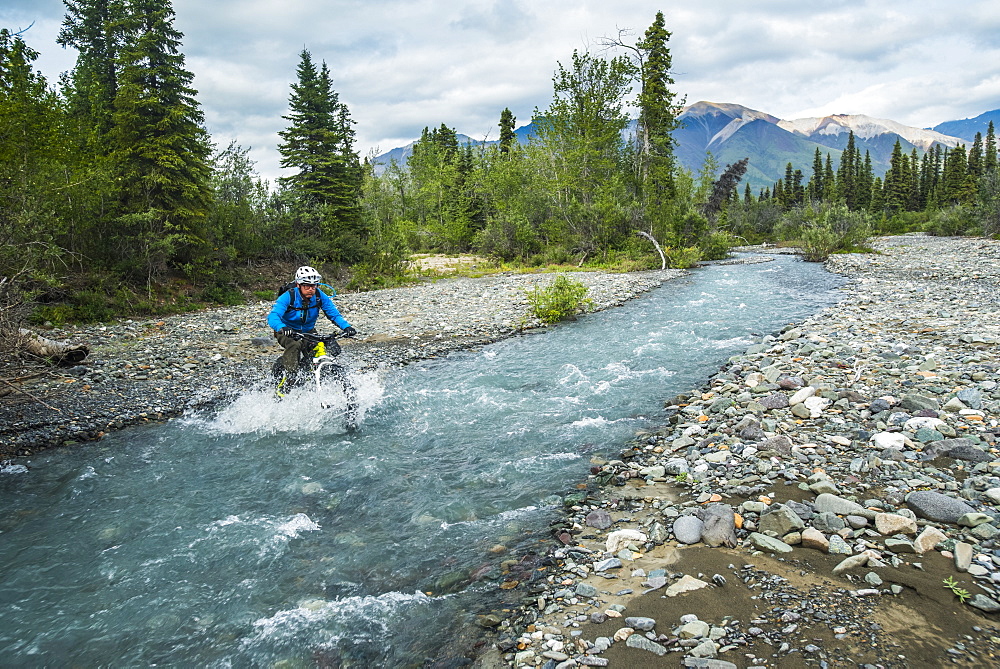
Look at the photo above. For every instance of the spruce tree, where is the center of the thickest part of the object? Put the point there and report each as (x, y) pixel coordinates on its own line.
(926, 179)
(847, 173)
(866, 178)
(319, 143)
(815, 188)
(658, 111)
(897, 181)
(913, 203)
(829, 180)
(990, 150)
(975, 160)
(96, 29)
(957, 185)
(507, 137)
(778, 195)
(878, 196)
(159, 148)
(724, 188)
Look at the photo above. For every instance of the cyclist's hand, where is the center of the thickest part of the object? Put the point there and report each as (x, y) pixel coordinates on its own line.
(289, 332)
(349, 331)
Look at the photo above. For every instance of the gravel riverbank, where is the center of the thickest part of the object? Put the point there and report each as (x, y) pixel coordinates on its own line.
(830, 498)
(147, 370)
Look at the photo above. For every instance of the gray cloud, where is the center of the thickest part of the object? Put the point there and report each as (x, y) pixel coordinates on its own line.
(403, 65)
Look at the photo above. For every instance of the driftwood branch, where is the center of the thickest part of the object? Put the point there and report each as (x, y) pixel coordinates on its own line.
(58, 352)
(25, 392)
(663, 258)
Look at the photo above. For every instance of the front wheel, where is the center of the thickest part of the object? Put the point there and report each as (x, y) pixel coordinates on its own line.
(336, 374)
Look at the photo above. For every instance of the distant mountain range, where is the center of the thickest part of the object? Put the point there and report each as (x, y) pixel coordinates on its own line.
(733, 132)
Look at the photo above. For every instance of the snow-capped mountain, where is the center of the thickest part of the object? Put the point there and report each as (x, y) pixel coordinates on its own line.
(866, 127)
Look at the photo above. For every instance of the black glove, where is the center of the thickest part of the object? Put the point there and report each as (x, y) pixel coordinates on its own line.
(349, 331)
(289, 332)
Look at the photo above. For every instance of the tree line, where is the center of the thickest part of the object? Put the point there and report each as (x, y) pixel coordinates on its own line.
(114, 199)
(943, 191)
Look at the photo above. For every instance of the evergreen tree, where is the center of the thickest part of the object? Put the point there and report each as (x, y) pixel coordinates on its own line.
(957, 185)
(815, 188)
(990, 150)
(926, 179)
(158, 146)
(829, 180)
(975, 160)
(897, 181)
(878, 196)
(793, 194)
(724, 187)
(913, 203)
(658, 111)
(933, 192)
(97, 29)
(778, 195)
(319, 143)
(866, 178)
(507, 137)
(847, 173)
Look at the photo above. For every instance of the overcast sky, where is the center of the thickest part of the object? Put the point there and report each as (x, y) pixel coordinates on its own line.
(404, 65)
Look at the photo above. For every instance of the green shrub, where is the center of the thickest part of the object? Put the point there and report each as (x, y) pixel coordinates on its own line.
(84, 306)
(818, 243)
(901, 223)
(831, 229)
(561, 300)
(225, 295)
(682, 258)
(953, 221)
(716, 246)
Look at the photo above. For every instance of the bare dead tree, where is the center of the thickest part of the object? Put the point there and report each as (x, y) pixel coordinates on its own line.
(663, 258)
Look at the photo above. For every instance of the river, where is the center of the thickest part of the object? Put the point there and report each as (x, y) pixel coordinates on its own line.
(262, 533)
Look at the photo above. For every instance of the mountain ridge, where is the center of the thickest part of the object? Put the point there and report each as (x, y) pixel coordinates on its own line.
(731, 132)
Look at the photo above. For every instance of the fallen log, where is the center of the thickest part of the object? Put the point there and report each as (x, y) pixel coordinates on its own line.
(57, 352)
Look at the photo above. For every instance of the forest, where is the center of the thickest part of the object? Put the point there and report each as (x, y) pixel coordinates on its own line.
(115, 202)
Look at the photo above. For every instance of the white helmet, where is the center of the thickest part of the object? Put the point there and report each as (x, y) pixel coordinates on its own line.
(307, 274)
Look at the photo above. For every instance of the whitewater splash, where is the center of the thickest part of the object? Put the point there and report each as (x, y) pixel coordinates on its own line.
(259, 411)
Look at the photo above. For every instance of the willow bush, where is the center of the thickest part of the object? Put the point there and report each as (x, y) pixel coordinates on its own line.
(563, 299)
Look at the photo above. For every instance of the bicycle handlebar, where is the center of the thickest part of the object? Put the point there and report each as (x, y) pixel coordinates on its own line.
(315, 337)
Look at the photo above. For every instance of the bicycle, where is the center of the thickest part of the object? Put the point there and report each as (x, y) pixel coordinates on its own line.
(317, 358)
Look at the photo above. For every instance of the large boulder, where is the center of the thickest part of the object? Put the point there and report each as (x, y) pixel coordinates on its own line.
(688, 529)
(720, 526)
(937, 506)
(780, 520)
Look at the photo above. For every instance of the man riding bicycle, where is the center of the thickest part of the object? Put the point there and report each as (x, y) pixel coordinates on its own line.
(295, 313)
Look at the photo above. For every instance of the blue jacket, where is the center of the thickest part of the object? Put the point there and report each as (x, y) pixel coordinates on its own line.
(289, 311)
